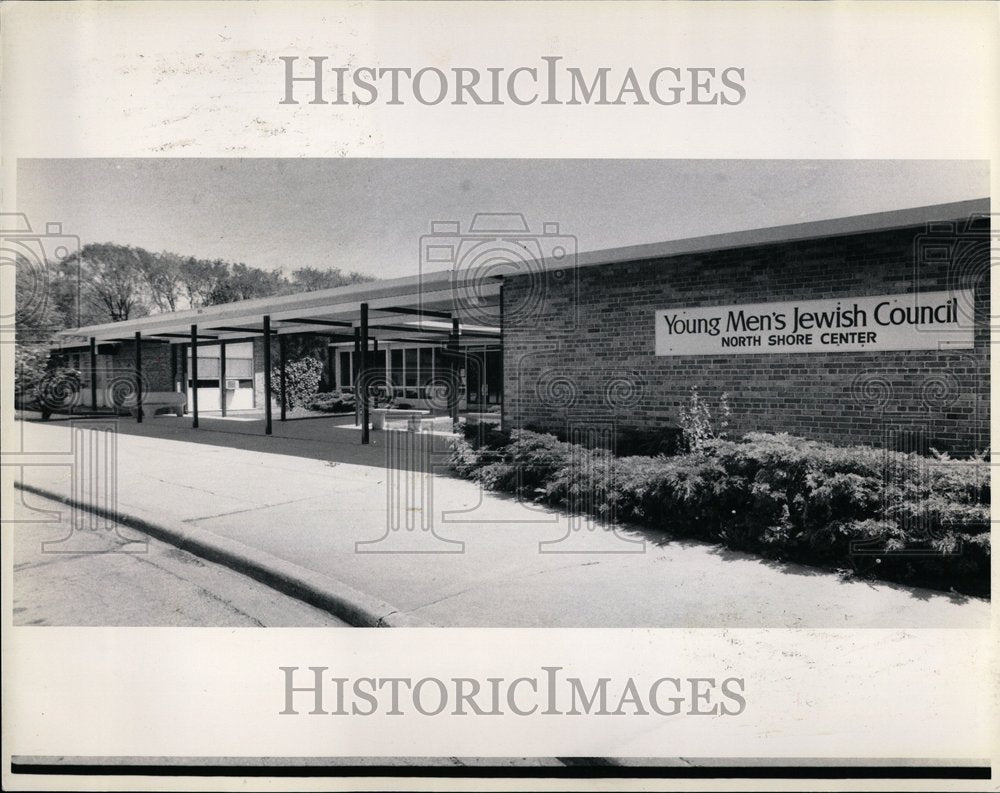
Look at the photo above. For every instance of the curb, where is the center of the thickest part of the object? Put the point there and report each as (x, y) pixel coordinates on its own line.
(353, 606)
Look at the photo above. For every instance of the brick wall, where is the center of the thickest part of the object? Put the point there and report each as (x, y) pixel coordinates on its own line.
(584, 353)
(118, 381)
(156, 364)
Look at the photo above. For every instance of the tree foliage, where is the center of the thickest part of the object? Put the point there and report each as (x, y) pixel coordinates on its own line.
(164, 278)
(114, 280)
(38, 312)
(310, 279)
(107, 282)
(243, 282)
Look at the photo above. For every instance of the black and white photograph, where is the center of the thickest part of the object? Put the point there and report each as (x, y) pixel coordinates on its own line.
(774, 415)
(588, 446)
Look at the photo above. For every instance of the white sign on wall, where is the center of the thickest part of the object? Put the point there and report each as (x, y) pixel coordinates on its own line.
(925, 321)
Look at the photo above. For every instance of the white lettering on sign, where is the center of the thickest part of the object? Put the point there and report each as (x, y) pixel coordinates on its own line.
(924, 321)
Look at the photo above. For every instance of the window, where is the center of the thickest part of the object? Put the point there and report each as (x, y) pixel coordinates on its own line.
(209, 367)
(411, 372)
(426, 369)
(241, 368)
(346, 370)
(396, 368)
(223, 386)
(494, 376)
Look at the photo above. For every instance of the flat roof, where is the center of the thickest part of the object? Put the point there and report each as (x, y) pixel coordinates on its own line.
(469, 296)
(814, 229)
(412, 304)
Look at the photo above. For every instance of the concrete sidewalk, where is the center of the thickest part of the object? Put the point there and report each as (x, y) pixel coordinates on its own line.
(309, 498)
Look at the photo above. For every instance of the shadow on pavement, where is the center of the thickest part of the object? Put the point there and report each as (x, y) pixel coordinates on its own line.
(332, 439)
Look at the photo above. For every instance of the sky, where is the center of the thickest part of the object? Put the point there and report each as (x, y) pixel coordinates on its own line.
(368, 215)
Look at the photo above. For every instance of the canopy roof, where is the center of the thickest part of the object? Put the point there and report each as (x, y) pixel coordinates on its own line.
(410, 308)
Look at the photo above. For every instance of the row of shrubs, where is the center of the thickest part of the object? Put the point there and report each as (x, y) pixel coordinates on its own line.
(332, 402)
(868, 512)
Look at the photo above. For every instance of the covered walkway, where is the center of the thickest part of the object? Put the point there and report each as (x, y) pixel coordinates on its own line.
(372, 331)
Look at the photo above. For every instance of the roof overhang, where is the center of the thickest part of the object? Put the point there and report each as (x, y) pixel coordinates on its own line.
(413, 304)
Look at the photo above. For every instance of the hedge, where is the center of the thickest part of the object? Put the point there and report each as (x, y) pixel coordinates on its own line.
(863, 511)
(333, 402)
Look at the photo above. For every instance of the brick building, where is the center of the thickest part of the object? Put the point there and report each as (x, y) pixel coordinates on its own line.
(847, 330)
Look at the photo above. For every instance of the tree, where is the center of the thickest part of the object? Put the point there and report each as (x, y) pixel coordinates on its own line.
(164, 278)
(110, 282)
(245, 283)
(311, 279)
(113, 280)
(200, 279)
(37, 312)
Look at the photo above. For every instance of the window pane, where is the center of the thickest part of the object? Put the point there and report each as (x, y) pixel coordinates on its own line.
(243, 349)
(426, 365)
(494, 381)
(473, 368)
(238, 368)
(396, 373)
(410, 358)
(208, 368)
(345, 370)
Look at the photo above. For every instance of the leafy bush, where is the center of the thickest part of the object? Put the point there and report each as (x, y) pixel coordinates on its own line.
(301, 381)
(59, 390)
(480, 445)
(870, 512)
(332, 403)
(697, 424)
(41, 385)
(30, 366)
(519, 462)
